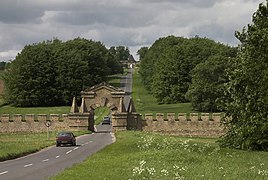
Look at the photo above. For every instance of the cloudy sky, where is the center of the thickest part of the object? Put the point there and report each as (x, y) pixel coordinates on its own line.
(131, 23)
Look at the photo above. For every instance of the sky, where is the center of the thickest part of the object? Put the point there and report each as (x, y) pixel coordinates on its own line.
(130, 23)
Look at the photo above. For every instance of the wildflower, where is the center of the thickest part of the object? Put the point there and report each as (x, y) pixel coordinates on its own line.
(164, 172)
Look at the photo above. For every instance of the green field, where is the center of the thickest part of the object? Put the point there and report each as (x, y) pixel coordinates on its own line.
(146, 103)
(35, 110)
(139, 155)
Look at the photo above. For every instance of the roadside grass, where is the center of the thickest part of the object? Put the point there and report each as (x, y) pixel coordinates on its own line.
(114, 80)
(141, 155)
(146, 103)
(13, 145)
(35, 110)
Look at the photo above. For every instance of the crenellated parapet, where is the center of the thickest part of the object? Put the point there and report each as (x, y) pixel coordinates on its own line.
(193, 124)
(32, 122)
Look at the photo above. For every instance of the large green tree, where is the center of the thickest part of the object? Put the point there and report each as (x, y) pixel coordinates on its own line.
(166, 67)
(207, 88)
(142, 52)
(121, 53)
(30, 78)
(52, 72)
(247, 107)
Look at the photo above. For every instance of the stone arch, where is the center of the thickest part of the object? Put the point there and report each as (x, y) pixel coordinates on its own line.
(97, 96)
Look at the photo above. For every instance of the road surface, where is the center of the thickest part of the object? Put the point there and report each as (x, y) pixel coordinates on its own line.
(126, 85)
(52, 160)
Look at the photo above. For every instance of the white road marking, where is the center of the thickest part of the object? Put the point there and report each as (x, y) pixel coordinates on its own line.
(69, 151)
(27, 165)
(57, 157)
(90, 141)
(45, 160)
(76, 148)
(86, 142)
(3, 172)
(82, 144)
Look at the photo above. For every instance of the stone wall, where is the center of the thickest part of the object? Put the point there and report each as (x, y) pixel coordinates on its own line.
(32, 122)
(194, 124)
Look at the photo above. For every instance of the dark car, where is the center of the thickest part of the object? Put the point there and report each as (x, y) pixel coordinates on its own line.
(65, 138)
(106, 120)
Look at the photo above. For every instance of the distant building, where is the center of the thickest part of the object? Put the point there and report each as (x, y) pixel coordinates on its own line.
(131, 62)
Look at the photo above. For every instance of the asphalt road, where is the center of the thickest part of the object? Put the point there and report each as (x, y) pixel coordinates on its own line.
(52, 160)
(126, 85)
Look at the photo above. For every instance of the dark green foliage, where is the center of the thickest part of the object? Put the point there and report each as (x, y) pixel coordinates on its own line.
(2, 65)
(248, 88)
(147, 66)
(52, 72)
(142, 52)
(30, 79)
(166, 67)
(121, 53)
(207, 86)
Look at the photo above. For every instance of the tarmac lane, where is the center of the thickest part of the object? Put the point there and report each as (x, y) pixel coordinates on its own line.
(52, 160)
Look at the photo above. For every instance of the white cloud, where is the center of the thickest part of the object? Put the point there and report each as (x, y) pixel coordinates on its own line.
(132, 23)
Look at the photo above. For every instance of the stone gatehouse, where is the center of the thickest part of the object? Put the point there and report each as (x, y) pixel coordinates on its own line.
(124, 117)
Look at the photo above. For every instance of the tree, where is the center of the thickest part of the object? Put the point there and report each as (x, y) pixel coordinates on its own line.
(52, 72)
(155, 52)
(30, 78)
(166, 67)
(247, 106)
(121, 53)
(142, 52)
(207, 86)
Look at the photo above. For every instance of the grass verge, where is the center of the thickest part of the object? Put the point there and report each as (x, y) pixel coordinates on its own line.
(13, 145)
(35, 110)
(146, 103)
(139, 155)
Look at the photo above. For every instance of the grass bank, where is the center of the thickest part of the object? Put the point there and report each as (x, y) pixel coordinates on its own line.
(146, 103)
(13, 145)
(34, 110)
(139, 155)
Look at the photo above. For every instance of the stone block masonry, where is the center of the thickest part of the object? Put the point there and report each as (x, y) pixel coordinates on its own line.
(193, 124)
(32, 122)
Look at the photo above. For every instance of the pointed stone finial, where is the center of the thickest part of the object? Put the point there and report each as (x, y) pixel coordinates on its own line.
(121, 107)
(74, 108)
(83, 107)
(131, 107)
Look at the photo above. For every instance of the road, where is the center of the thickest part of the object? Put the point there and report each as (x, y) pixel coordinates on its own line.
(50, 161)
(126, 85)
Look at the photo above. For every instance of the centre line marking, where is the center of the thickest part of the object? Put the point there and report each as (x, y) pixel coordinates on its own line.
(76, 148)
(27, 165)
(45, 160)
(57, 156)
(3, 172)
(69, 151)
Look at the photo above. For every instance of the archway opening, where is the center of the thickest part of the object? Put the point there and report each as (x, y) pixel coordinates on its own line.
(100, 113)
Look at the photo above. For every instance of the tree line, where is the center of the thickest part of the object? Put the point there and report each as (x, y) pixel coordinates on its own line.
(177, 70)
(216, 77)
(51, 72)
